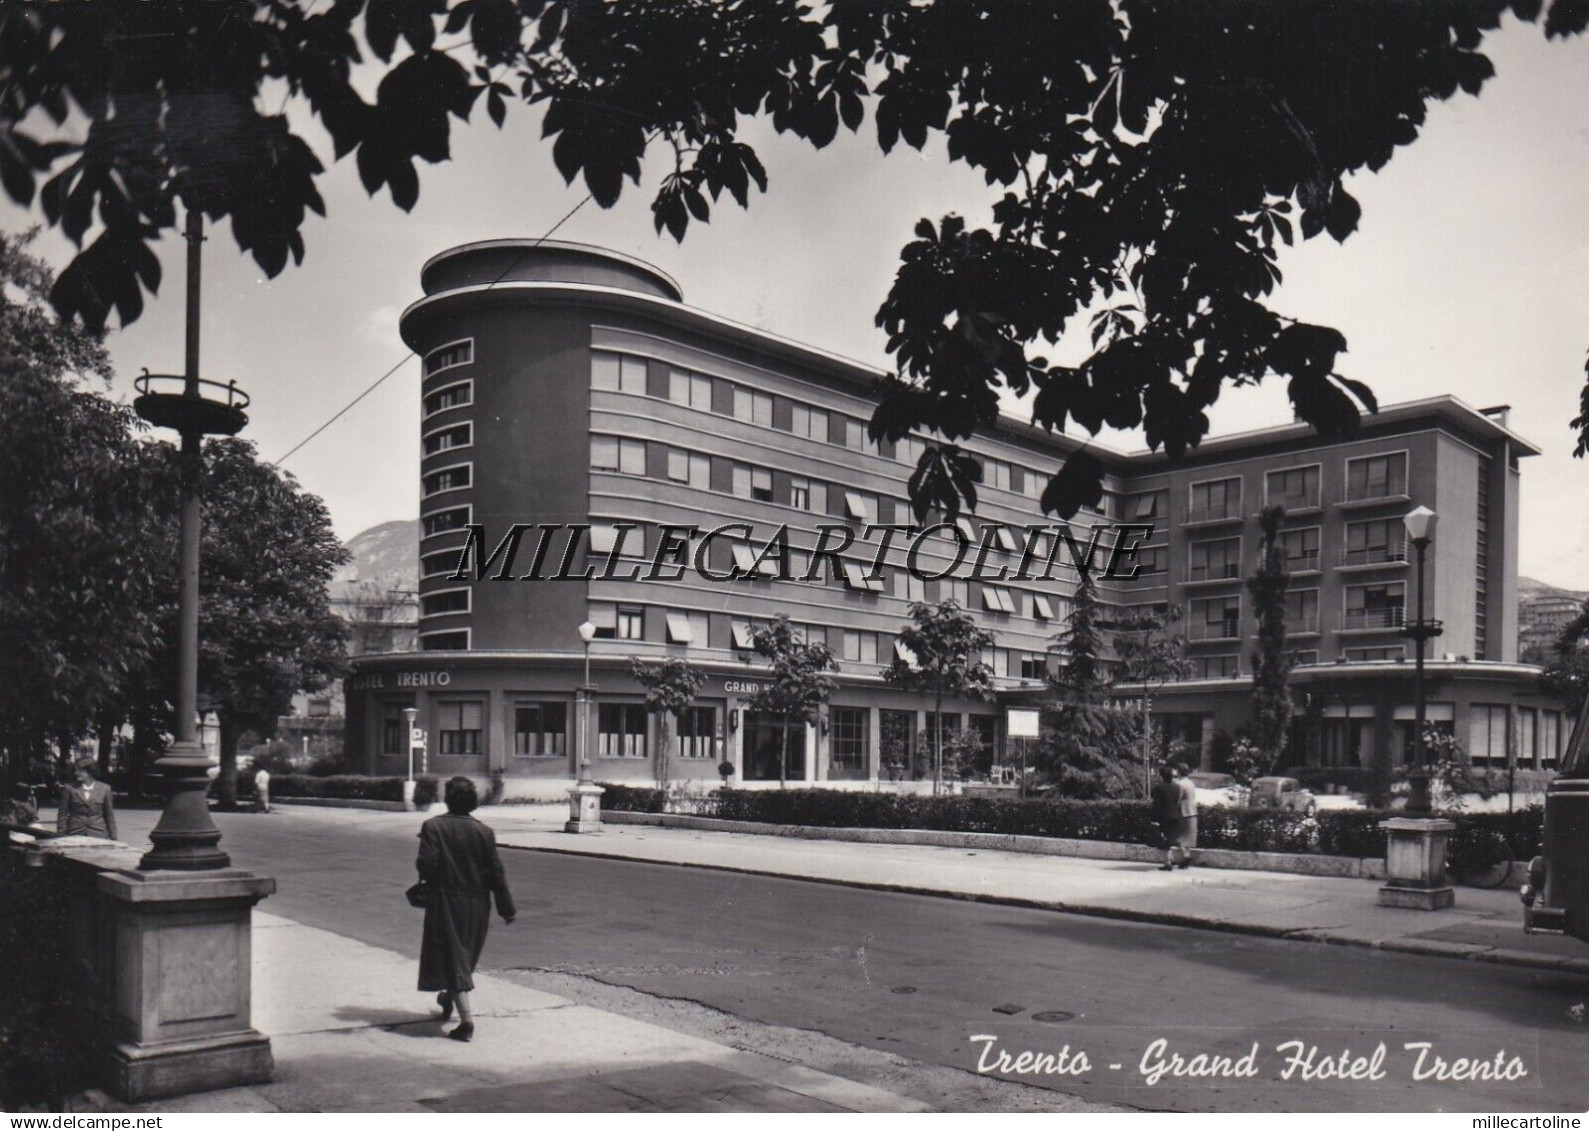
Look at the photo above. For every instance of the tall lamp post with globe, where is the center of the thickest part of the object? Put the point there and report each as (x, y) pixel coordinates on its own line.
(584, 800)
(1420, 523)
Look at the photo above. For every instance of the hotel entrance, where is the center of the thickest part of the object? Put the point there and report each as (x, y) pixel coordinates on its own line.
(764, 735)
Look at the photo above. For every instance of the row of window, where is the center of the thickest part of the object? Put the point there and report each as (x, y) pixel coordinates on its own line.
(1364, 606)
(1368, 478)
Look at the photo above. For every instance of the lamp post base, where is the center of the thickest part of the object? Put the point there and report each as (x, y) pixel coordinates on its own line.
(1415, 864)
(185, 839)
(1419, 801)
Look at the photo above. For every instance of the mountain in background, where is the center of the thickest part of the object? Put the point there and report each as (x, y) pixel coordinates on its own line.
(1530, 590)
(385, 557)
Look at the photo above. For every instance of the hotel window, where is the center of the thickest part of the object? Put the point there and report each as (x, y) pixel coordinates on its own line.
(752, 407)
(1152, 559)
(630, 623)
(996, 473)
(1296, 488)
(1034, 483)
(850, 729)
(752, 483)
(1215, 561)
(860, 506)
(698, 732)
(1216, 667)
(621, 730)
(618, 373)
(1302, 610)
(744, 633)
(1549, 737)
(956, 589)
(692, 389)
(908, 450)
(1372, 543)
(1375, 655)
(458, 726)
(909, 587)
(393, 728)
(1527, 735)
(1220, 498)
(457, 641)
(446, 561)
(860, 647)
(440, 522)
(447, 356)
(607, 453)
(808, 496)
(1375, 606)
(1304, 656)
(811, 423)
(1300, 548)
(540, 730)
(1487, 732)
(453, 396)
(1034, 667)
(1042, 609)
(437, 604)
(446, 439)
(449, 479)
(690, 467)
(747, 563)
(1377, 477)
(687, 628)
(1216, 619)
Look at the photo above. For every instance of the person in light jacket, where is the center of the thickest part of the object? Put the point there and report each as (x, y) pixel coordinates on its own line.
(458, 862)
(86, 806)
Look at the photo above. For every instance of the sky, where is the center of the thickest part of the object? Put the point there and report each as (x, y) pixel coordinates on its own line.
(1469, 275)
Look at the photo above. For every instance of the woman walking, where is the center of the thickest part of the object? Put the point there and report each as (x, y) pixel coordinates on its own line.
(86, 806)
(459, 865)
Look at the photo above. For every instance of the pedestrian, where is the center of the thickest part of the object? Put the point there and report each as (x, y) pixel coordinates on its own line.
(262, 790)
(21, 809)
(86, 805)
(1166, 811)
(1188, 811)
(461, 872)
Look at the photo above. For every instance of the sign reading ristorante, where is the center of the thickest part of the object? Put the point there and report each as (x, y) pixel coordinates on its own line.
(377, 681)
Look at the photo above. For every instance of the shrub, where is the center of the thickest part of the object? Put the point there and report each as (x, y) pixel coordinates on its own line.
(633, 799)
(350, 787)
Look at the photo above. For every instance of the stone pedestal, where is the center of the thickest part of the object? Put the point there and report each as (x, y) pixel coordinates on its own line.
(160, 972)
(408, 796)
(584, 808)
(1415, 864)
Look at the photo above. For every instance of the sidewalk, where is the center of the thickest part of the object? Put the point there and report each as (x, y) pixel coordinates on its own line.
(1484, 925)
(350, 1033)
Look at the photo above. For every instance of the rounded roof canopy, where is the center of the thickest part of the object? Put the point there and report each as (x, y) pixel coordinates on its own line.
(543, 261)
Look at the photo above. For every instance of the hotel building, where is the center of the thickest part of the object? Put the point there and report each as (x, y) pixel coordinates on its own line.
(568, 385)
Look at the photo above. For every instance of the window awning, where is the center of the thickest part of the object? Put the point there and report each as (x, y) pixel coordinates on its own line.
(603, 616)
(679, 629)
(742, 634)
(1146, 505)
(1007, 541)
(1433, 712)
(603, 538)
(855, 506)
(964, 526)
(905, 654)
(745, 559)
(999, 600)
(1041, 607)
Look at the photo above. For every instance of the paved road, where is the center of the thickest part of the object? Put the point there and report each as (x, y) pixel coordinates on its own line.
(921, 976)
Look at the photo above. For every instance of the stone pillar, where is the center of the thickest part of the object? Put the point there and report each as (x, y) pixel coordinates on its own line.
(1415, 864)
(584, 804)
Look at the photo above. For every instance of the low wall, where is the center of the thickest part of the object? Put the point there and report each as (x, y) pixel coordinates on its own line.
(1368, 868)
(348, 803)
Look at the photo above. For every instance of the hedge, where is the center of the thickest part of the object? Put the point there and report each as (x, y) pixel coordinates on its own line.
(349, 787)
(1332, 832)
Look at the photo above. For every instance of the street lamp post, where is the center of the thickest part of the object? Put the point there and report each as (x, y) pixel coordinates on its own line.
(587, 633)
(1420, 524)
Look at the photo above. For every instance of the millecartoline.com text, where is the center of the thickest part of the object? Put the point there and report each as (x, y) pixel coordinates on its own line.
(855, 554)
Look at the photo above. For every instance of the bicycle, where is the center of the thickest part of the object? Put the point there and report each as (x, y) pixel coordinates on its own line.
(1479, 856)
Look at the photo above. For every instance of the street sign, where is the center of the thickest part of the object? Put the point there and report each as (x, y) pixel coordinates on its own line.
(416, 737)
(1020, 723)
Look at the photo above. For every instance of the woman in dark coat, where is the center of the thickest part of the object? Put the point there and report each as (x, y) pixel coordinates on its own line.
(1179, 831)
(459, 863)
(87, 808)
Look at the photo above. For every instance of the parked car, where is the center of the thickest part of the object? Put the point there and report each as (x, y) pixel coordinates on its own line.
(1282, 793)
(1217, 789)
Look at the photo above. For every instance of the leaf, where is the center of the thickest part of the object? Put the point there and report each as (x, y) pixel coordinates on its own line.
(1343, 215)
(1077, 484)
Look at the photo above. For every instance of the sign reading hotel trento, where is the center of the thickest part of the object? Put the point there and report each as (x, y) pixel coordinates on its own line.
(1020, 723)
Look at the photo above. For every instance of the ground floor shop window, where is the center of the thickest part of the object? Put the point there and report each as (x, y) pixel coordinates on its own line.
(459, 727)
(849, 729)
(698, 732)
(621, 730)
(540, 730)
(898, 739)
(1487, 733)
(772, 741)
(982, 752)
(1347, 735)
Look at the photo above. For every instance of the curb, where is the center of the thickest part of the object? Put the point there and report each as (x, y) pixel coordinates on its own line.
(1430, 948)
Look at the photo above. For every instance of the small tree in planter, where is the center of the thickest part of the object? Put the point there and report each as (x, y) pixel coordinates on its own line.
(725, 770)
(798, 685)
(945, 647)
(671, 687)
(894, 752)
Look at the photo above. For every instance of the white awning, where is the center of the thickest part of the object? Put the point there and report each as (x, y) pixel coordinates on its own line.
(1007, 540)
(999, 600)
(964, 526)
(742, 634)
(602, 539)
(904, 653)
(1355, 711)
(603, 616)
(679, 629)
(1041, 607)
(856, 507)
(745, 559)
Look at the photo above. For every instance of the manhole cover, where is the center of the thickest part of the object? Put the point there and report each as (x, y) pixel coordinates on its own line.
(1053, 1016)
(1009, 1009)
(903, 990)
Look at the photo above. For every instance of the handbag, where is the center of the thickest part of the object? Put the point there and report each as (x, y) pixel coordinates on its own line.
(420, 894)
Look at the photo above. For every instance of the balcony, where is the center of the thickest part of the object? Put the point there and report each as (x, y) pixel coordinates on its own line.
(1302, 502)
(1375, 492)
(1298, 561)
(1213, 572)
(1373, 620)
(1227, 628)
(1215, 515)
(1305, 625)
(1374, 557)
